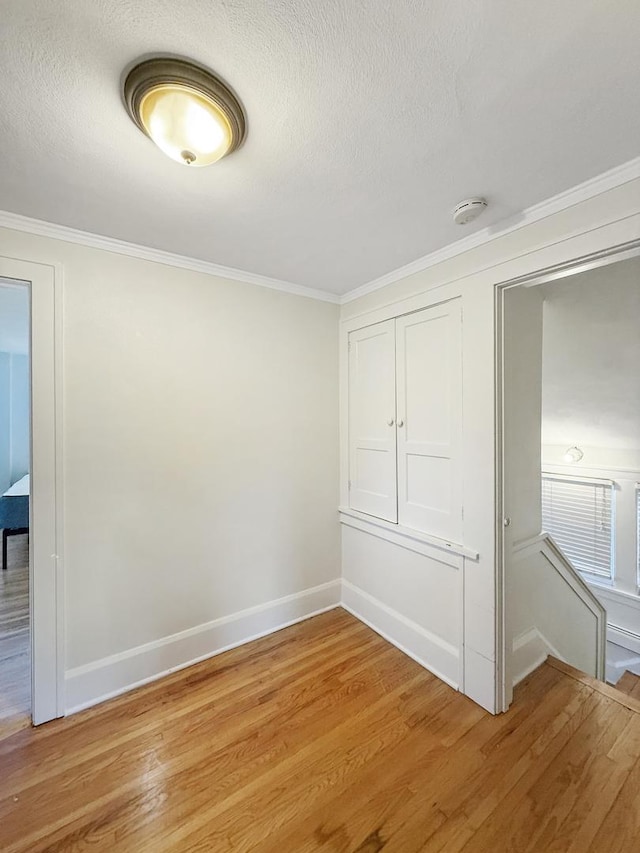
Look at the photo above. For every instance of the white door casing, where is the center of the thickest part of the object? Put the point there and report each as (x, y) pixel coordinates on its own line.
(45, 539)
(521, 367)
(372, 429)
(429, 419)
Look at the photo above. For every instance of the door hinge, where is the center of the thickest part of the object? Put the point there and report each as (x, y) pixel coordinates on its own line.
(349, 347)
(349, 485)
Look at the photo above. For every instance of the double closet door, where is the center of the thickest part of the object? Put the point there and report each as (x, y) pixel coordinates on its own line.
(405, 420)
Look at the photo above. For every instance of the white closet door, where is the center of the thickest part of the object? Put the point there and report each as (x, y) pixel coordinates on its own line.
(429, 391)
(372, 412)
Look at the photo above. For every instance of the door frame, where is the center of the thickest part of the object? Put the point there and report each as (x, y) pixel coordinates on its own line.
(46, 581)
(623, 251)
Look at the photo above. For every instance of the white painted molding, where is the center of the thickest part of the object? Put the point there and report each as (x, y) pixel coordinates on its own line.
(40, 228)
(432, 652)
(582, 192)
(405, 537)
(594, 472)
(544, 545)
(623, 637)
(529, 651)
(617, 596)
(103, 679)
(595, 186)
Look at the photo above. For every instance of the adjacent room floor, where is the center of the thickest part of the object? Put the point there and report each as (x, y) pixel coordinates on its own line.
(325, 737)
(15, 671)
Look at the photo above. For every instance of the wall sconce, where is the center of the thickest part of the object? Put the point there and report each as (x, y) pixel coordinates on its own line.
(573, 454)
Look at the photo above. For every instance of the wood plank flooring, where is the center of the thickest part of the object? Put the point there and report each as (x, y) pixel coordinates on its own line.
(325, 737)
(629, 684)
(15, 671)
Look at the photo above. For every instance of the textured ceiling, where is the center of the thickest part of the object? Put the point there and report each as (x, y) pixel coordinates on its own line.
(368, 121)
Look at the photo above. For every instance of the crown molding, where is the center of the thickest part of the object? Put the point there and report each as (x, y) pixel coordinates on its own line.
(582, 192)
(40, 228)
(568, 198)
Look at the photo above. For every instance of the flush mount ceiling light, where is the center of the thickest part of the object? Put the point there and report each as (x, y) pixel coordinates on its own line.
(573, 454)
(186, 110)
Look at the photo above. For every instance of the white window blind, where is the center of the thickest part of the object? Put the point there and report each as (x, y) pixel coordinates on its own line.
(579, 514)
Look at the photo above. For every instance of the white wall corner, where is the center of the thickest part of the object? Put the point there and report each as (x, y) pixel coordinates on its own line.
(530, 650)
(103, 679)
(480, 679)
(430, 651)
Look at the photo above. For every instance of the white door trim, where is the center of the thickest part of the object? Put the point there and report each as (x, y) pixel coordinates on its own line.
(46, 591)
(583, 263)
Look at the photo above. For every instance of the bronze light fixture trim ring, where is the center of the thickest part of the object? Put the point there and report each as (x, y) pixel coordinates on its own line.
(162, 71)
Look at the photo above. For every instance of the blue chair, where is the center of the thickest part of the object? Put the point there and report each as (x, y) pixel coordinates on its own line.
(14, 520)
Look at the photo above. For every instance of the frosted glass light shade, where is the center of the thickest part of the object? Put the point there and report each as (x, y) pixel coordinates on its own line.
(187, 111)
(186, 125)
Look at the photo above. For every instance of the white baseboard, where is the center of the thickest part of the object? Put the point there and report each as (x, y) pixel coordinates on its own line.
(623, 637)
(529, 651)
(88, 685)
(430, 651)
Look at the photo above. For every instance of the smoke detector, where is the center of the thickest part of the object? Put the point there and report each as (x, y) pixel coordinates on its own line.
(468, 210)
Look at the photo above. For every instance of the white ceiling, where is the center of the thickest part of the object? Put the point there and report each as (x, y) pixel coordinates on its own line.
(368, 120)
(14, 317)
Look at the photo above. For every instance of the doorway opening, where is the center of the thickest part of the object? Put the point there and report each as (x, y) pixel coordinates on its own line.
(15, 467)
(42, 283)
(568, 458)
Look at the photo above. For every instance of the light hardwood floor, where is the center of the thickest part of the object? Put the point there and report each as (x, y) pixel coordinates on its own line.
(629, 684)
(15, 674)
(325, 737)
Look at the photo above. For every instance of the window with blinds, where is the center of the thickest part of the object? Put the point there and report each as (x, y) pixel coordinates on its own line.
(579, 514)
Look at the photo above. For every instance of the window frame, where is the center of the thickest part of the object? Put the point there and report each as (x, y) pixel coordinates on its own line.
(591, 577)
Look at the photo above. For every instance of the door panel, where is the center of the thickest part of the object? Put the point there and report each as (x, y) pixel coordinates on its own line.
(372, 431)
(429, 409)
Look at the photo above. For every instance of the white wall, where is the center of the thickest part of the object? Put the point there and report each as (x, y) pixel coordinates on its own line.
(14, 383)
(14, 418)
(550, 615)
(200, 460)
(14, 317)
(605, 220)
(428, 623)
(591, 390)
(201, 452)
(5, 421)
(19, 416)
(522, 358)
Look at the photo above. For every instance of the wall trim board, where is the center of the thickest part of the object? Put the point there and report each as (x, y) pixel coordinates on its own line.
(450, 553)
(618, 596)
(432, 652)
(623, 637)
(610, 472)
(41, 228)
(103, 679)
(609, 180)
(529, 651)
